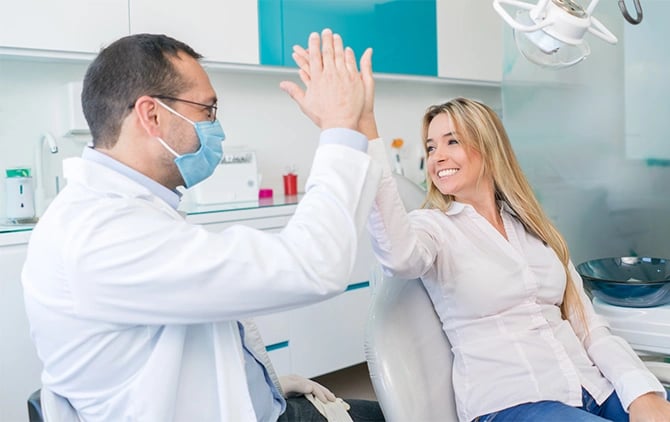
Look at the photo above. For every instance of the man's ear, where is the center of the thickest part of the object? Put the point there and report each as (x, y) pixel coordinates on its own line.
(146, 109)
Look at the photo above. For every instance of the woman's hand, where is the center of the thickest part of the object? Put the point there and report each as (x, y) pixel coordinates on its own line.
(368, 124)
(649, 407)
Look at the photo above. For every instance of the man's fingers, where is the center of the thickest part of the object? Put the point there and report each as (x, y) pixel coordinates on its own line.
(338, 52)
(304, 77)
(301, 57)
(293, 90)
(314, 51)
(322, 393)
(327, 48)
(319, 395)
(329, 395)
(350, 60)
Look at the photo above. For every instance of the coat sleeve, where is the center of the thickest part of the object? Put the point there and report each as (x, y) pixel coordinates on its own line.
(613, 356)
(127, 262)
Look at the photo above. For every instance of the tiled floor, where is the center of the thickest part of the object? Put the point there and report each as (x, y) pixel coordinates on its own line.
(349, 383)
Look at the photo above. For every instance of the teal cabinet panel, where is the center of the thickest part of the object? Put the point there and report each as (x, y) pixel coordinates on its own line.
(270, 33)
(402, 33)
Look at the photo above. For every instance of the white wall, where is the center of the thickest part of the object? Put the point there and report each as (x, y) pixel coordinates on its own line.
(254, 112)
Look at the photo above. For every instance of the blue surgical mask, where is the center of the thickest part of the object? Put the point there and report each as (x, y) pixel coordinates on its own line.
(199, 165)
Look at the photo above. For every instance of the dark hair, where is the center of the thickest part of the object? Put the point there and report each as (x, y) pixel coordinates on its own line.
(128, 68)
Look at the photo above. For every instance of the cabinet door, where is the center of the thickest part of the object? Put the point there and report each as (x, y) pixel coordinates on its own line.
(64, 25)
(220, 30)
(469, 40)
(402, 33)
(330, 335)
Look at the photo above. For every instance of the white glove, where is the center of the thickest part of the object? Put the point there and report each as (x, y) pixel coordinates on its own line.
(333, 411)
(295, 385)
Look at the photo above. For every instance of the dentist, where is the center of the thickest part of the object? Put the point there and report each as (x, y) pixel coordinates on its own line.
(135, 312)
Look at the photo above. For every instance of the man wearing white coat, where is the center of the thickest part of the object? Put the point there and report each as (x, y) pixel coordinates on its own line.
(134, 311)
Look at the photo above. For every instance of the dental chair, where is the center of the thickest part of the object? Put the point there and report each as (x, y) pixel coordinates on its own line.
(35, 407)
(408, 354)
(46, 406)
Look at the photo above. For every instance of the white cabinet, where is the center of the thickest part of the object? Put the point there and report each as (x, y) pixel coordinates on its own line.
(20, 367)
(64, 25)
(469, 40)
(329, 335)
(469, 32)
(222, 30)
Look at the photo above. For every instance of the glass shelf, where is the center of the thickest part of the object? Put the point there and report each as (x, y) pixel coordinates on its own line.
(277, 201)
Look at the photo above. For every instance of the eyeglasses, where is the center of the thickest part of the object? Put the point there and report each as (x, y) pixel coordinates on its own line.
(211, 108)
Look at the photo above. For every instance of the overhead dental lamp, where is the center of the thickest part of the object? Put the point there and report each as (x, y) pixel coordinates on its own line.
(551, 32)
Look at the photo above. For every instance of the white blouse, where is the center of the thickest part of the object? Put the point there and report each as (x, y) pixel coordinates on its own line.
(499, 301)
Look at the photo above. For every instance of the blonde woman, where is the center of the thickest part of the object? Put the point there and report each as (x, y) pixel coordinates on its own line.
(527, 343)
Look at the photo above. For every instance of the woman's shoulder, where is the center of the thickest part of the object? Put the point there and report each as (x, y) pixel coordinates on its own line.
(428, 216)
(434, 212)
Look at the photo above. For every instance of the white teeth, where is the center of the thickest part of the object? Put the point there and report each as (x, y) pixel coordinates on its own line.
(447, 172)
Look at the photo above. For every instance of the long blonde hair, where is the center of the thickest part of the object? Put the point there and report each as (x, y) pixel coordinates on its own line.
(480, 128)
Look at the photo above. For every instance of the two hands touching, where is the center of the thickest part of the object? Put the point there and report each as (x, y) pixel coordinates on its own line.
(336, 94)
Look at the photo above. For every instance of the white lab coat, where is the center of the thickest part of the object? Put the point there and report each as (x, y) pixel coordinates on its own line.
(133, 310)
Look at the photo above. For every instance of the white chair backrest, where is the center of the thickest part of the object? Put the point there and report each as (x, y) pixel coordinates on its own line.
(408, 354)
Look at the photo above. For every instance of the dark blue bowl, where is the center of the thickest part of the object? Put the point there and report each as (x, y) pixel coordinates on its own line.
(637, 282)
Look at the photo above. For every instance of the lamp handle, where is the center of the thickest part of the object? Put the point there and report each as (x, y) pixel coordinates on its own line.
(627, 16)
(599, 30)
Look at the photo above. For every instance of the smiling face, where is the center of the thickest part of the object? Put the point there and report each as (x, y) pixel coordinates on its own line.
(454, 167)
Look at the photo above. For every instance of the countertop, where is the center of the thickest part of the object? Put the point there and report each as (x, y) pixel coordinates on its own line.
(11, 234)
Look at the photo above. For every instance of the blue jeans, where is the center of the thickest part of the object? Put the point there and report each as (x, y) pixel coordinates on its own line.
(555, 411)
